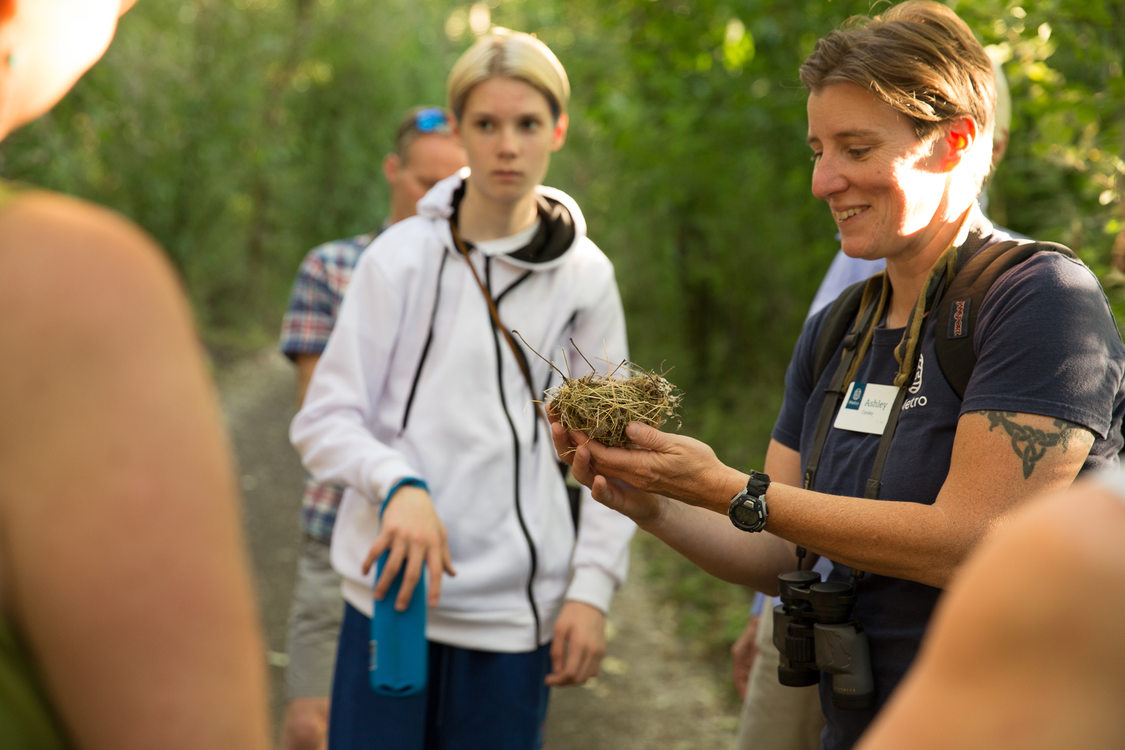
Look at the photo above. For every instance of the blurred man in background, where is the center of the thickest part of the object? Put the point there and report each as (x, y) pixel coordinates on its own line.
(425, 151)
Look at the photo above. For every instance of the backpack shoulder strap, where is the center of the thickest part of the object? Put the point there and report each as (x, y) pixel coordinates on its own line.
(961, 303)
(846, 322)
(841, 314)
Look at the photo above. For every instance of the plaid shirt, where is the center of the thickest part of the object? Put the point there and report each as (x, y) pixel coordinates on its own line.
(313, 305)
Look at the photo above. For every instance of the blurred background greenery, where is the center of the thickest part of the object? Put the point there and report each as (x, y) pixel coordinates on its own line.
(243, 132)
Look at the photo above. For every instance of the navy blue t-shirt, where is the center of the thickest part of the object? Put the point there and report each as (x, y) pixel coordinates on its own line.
(1046, 343)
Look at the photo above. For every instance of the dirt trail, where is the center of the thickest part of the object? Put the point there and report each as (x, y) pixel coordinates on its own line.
(652, 693)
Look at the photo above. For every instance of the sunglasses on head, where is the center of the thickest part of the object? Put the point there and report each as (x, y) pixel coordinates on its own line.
(431, 120)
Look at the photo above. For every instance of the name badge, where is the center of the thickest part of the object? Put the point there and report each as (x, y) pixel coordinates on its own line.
(866, 408)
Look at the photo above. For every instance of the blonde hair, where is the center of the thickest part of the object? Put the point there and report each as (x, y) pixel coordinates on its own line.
(511, 54)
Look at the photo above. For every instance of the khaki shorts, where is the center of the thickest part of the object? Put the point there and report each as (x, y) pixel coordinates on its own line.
(776, 715)
(314, 623)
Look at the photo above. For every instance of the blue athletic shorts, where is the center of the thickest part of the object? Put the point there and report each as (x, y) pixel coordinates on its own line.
(474, 700)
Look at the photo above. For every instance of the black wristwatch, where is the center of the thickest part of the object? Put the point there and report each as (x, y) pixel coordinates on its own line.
(748, 509)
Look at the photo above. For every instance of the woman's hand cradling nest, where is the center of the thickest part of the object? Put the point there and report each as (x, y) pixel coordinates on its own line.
(573, 448)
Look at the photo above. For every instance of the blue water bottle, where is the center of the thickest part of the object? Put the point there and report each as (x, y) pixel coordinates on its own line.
(398, 639)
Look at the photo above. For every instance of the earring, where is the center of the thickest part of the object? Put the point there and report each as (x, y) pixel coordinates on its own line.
(11, 60)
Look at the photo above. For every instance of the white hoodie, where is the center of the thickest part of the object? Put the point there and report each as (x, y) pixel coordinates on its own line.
(416, 382)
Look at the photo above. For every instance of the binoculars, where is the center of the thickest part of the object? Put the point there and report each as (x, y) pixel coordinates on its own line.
(815, 632)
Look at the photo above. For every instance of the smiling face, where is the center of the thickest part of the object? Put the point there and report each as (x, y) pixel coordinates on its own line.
(888, 190)
(509, 134)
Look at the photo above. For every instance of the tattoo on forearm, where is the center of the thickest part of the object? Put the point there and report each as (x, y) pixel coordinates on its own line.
(1030, 443)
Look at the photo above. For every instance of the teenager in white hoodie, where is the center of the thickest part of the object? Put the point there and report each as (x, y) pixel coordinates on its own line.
(426, 408)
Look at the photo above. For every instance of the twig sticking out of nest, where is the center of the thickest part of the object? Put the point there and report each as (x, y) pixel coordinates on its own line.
(602, 406)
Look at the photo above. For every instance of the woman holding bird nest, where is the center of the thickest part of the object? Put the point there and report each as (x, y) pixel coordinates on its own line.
(422, 404)
(894, 477)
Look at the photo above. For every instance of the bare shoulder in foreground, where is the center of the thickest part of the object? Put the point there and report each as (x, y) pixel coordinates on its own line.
(1026, 650)
(121, 538)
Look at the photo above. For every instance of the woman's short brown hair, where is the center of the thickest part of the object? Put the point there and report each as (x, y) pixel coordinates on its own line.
(918, 57)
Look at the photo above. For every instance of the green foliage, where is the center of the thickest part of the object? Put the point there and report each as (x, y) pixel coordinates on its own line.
(241, 134)
(1061, 177)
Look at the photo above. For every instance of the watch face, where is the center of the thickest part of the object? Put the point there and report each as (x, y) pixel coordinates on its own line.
(746, 512)
(745, 515)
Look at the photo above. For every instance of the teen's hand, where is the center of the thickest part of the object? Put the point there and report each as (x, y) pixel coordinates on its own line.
(414, 534)
(578, 644)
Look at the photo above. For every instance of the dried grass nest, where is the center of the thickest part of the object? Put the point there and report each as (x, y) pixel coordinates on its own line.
(603, 405)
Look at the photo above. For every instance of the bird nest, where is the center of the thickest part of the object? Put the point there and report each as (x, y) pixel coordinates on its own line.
(602, 406)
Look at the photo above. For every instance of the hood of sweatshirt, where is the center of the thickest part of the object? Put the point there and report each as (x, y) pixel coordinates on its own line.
(561, 223)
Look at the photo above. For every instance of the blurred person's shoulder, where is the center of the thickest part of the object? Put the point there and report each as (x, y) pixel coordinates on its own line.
(76, 274)
(1078, 532)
